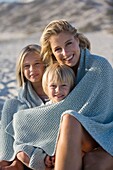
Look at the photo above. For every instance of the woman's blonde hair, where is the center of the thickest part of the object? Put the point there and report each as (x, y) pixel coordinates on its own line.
(54, 28)
(58, 73)
(19, 66)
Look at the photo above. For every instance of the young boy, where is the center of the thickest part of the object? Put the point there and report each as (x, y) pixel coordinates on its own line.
(58, 80)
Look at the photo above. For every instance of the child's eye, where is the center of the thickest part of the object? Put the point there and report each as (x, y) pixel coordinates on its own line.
(57, 49)
(64, 85)
(53, 86)
(37, 64)
(26, 66)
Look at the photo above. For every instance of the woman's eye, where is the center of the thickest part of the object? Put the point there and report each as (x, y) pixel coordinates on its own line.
(69, 43)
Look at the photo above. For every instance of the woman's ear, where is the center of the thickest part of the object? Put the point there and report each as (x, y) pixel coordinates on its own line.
(77, 39)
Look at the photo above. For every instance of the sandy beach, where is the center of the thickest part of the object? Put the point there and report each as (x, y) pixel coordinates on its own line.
(14, 38)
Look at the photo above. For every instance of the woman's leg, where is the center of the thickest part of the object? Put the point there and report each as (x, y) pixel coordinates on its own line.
(73, 142)
(88, 143)
(98, 159)
(68, 152)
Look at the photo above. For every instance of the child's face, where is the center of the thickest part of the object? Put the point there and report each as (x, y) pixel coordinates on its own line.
(33, 67)
(58, 91)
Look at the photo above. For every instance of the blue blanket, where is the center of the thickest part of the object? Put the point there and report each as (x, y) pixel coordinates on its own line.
(27, 98)
(91, 102)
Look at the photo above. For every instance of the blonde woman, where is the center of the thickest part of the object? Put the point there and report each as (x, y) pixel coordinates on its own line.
(90, 127)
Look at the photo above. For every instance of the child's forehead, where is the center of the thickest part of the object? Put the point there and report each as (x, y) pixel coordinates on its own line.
(56, 80)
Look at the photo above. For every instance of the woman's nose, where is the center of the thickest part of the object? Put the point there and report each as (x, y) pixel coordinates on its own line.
(64, 52)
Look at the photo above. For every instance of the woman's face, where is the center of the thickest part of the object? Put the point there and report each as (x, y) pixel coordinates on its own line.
(65, 48)
(33, 67)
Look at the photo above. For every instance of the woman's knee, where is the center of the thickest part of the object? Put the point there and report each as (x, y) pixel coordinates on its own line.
(69, 119)
(70, 127)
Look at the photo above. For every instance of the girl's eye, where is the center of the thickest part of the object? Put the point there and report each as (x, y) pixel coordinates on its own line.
(26, 66)
(37, 64)
(57, 49)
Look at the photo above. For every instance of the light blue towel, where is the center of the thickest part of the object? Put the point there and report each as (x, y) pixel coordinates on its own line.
(91, 102)
(27, 98)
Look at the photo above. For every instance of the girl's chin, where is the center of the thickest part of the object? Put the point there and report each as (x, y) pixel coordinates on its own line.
(35, 81)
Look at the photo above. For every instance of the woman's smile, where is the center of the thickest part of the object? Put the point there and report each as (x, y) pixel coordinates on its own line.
(65, 48)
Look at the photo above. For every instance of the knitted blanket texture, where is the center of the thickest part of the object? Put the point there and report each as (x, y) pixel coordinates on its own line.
(27, 98)
(91, 102)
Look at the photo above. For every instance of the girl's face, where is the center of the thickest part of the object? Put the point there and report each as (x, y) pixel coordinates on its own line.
(57, 91)
(33, 67)
(65, 48)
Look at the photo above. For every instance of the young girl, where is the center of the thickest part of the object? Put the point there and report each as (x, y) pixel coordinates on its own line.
(29, 71)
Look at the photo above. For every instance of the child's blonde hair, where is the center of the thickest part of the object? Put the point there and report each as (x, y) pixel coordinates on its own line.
(19, 66)
(58, 73)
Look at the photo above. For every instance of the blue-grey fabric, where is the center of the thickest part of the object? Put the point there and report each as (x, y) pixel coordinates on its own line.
(91, 102)
(27, 98)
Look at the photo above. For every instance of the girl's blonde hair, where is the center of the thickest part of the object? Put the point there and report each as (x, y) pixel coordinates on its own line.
(19, 66)
(54, 28)
(58, 73)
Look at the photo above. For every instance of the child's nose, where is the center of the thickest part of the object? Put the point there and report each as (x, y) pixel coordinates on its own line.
(57, 89)
(31, 68)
